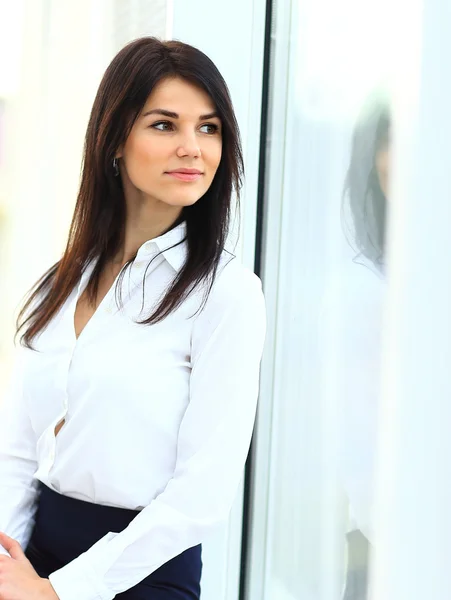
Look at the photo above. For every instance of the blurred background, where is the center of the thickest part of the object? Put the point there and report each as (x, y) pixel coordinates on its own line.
(344, 112)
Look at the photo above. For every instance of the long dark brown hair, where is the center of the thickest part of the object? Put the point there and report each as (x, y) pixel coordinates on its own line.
(362, 192)
(98, 222)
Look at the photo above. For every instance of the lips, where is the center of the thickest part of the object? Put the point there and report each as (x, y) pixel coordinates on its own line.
(185, 174)
(187, 171)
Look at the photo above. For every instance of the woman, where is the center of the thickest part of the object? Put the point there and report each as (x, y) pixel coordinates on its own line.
(362, 293)
(124, 442)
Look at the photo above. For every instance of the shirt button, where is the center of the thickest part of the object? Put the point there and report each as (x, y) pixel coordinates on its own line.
(108, 310)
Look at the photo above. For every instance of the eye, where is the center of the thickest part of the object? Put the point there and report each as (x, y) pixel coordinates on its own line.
(209, 128)
(163, 126)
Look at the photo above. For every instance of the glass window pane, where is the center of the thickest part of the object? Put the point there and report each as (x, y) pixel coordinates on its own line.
(327, 198)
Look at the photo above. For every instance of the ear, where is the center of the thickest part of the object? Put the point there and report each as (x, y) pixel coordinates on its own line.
(119, 153)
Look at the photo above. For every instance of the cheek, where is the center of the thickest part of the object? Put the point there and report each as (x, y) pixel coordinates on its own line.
(214, 157)
(146, 154)
(382, 167)
(141, 152)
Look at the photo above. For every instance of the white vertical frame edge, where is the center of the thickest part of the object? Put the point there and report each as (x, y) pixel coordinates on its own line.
(257, 588)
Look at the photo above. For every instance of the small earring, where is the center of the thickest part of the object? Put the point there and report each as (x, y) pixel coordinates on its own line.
(115, 167)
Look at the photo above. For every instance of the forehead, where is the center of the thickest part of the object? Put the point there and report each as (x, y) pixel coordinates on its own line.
(180, 96)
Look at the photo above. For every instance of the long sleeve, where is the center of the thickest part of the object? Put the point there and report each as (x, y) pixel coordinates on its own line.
(359, 301)
(213, 443)
(360, 386)
(18, 463)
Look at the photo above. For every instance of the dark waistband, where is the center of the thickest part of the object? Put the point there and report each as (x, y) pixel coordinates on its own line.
(66, 527)
(71, 526)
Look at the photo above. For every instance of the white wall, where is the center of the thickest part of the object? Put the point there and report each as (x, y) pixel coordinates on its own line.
(65, 50)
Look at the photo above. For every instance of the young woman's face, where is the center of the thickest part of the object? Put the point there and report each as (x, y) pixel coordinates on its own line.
(175, 146)
(383, 163)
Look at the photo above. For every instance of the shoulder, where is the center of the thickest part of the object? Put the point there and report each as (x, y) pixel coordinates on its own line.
(232, 271)
(234, 311)
(234, 282)
(363, 292)
(236, 292)
(353, 308)
(356, 287)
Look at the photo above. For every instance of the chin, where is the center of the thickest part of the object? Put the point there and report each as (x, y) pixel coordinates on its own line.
(184, 201)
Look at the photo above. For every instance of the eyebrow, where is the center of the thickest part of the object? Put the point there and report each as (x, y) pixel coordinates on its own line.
(173, 115)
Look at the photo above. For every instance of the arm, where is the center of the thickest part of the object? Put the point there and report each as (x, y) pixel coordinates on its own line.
(18, 463)
(213, 443)
(359, 365)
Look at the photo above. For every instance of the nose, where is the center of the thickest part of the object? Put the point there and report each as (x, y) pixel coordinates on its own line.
(189, 146)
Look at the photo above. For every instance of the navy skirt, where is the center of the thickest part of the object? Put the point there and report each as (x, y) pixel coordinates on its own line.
(65, 528)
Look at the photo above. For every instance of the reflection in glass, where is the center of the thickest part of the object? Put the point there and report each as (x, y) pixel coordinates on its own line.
(365, 212)
(367, 179)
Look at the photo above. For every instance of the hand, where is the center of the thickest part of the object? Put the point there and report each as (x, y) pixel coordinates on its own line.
(18, 579)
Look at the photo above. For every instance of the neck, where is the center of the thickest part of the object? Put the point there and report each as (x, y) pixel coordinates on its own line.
(145, 220)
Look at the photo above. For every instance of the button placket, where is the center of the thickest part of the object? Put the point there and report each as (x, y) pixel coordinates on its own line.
(61, 384)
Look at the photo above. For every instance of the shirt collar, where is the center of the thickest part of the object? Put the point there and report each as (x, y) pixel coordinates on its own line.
(176, 256)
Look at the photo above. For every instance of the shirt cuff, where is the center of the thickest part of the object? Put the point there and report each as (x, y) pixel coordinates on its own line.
(76, 581)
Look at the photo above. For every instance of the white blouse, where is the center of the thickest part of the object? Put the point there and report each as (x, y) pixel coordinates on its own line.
(157, 418)
(356, 296)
